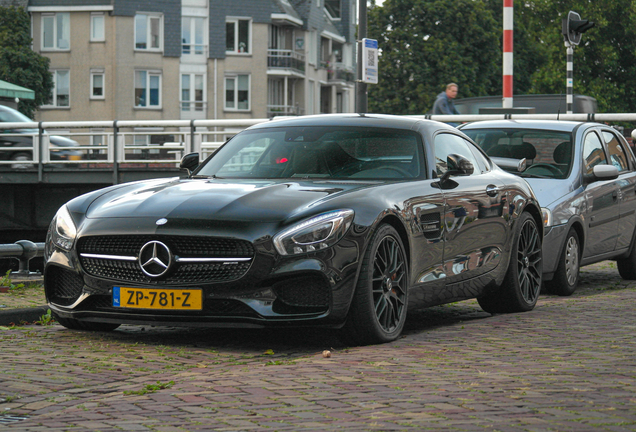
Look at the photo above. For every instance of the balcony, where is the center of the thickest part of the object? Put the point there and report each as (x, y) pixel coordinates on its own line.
(284, 110)
(341, 73)
(286, 59)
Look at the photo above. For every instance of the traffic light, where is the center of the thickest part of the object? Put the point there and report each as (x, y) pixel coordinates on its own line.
(574, 27)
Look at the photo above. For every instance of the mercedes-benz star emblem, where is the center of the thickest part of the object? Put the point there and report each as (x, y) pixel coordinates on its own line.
(155, 259)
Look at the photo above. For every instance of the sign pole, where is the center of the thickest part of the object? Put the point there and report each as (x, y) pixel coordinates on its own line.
(361, 86)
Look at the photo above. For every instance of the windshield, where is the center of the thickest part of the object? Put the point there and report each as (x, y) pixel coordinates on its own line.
(12, 116)
(548, 154)
(318, 152)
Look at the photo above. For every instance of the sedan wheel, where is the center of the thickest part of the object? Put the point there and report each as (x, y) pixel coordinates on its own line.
(378, 308)
(566, 277)
(522, 284)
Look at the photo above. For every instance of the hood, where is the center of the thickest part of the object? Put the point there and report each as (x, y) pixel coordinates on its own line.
(550, 190)
(215, 199)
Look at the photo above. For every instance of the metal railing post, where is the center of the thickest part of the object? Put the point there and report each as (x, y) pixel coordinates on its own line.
(192, 128)
(40, 164)
(115, 153)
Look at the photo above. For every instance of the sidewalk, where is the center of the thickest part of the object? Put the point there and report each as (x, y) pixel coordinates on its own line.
(23, 305)
(568, 365)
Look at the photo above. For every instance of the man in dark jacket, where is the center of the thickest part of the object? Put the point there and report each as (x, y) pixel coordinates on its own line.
(444, 102)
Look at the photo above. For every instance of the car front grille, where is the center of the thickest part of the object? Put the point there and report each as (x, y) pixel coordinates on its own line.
(125, 270)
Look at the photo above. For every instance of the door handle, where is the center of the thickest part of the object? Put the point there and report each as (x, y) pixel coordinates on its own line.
(492, 190)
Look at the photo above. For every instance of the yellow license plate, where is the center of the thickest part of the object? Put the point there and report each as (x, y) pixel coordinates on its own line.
(150, 298)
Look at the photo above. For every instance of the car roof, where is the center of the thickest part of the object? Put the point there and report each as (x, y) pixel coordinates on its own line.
(555, 125)
(360, 120)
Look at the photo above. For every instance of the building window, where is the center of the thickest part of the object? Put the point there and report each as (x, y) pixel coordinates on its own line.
(237, 92)
(147, 89)
(333, 8)
(192, 92)
(60, 95)
(238, 35)
(148, 32)
(193, 35)
(56, 31)
(97, 27)
(97, 85)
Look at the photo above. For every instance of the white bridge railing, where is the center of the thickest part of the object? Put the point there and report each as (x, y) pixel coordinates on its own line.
(162, 143)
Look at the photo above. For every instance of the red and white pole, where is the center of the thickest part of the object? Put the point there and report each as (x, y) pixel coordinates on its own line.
(508, 25)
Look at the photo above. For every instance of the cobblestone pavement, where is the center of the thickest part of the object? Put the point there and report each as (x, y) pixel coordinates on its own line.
(568, 365)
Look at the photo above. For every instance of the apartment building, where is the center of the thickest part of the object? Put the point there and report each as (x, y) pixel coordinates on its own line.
(195, 59)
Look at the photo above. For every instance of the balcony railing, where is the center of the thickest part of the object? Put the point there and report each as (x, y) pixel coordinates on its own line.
(284, 110)
(194, 49)
(286, 59)
(341, 73)
(193, 105)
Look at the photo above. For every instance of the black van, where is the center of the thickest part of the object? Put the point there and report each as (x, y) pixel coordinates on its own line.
(543, 104)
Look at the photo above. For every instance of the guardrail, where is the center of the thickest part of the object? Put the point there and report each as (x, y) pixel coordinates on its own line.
(23, 251)
(161, 143)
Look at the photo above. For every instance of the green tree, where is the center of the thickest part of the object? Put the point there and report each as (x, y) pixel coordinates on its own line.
(19, 64)
(604, 61)
(428, 43)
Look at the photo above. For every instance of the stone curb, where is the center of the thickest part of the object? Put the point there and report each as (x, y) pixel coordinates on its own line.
(16, 316)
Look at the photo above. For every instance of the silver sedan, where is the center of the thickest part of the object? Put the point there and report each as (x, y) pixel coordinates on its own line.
(584, 175)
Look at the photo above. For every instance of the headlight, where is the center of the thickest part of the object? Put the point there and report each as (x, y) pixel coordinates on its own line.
(63, 231)
(314, 234)
(547, 217)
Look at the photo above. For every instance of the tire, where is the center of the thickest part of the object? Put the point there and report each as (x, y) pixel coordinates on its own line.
(74, 324)
(522, 283)
(566, 277)
(380, 301)
(627, 266)
(22, 156)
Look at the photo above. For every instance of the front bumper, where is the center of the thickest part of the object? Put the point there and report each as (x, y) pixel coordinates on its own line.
(553, 239)
(311, 289)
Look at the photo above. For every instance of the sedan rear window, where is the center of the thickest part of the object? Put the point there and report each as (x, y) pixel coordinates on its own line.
(548, 153)
(319, 152)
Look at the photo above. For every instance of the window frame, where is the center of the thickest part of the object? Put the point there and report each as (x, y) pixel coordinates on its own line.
(236, 21)
(149, 73)
(623, 147)
(601, 141)
(193, 45)
(333, 18)
(54, 94)
(192, 102)
(92, 95)
(235, 78)
(149, 17)
(55, 46)
(95, 15)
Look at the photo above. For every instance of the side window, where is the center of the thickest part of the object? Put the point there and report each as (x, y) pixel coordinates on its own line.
(617, 153)
(593, 153)
(446, 144)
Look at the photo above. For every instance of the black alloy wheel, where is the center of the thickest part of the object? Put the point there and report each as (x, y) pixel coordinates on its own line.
(522, 283)
(529, 265)
(379, 305)
(389, 277)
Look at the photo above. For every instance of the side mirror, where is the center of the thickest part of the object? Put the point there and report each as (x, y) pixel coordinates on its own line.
(457, 165)
(602, 172)
(189, 162)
